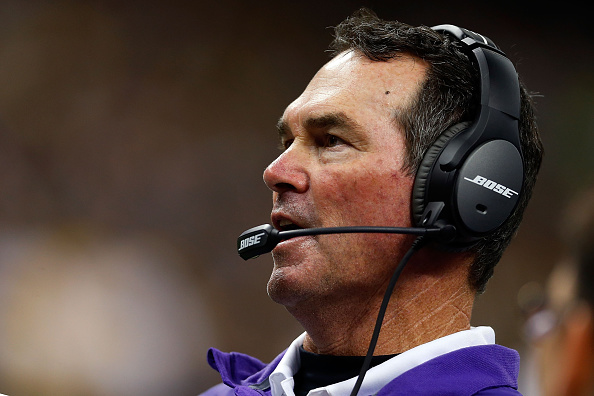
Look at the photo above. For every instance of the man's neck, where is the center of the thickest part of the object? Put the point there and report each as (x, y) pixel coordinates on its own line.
(428, 303)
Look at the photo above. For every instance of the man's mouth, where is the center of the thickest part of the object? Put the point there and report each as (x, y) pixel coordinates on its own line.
(287, 225)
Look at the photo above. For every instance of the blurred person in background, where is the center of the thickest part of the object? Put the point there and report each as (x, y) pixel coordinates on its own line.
(562, 332)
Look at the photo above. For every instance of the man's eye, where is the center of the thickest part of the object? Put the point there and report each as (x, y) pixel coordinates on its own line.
(285, 144)
(332, 141)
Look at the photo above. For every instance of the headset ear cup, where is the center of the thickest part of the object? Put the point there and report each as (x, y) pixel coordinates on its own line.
(422, 176)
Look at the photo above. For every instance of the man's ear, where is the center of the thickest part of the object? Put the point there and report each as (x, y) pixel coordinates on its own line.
(577, 360)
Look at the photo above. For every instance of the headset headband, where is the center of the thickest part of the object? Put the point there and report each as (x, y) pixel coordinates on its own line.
(499, 89)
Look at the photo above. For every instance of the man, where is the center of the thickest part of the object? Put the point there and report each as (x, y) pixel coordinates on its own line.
(352, 144)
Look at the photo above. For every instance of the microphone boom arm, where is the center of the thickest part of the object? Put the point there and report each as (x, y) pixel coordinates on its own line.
(359, 229)
(262, 239)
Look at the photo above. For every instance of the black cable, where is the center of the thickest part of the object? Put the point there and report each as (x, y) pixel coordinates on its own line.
(417, 244)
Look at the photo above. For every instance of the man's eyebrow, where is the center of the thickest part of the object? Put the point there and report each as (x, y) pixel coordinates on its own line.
(283, 129)
(330, 120)
(323, 121)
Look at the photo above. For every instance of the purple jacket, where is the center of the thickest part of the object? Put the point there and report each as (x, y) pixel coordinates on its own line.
(483, 370)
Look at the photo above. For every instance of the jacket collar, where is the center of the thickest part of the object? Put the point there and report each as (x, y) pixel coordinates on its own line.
(238, 369)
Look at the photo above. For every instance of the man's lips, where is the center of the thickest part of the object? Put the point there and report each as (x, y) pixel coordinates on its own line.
(284, 222)
(286, 225)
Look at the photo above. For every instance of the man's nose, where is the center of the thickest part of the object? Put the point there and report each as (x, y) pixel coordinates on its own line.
(287, 173)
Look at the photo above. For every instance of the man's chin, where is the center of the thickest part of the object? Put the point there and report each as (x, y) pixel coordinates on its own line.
(286, 288)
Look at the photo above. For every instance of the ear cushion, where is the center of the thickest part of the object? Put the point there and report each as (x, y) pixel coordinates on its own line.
(422, 176)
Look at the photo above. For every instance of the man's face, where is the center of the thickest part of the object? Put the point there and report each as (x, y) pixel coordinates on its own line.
(342, 166)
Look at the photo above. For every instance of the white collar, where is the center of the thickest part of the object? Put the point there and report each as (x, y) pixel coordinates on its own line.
(281, 379)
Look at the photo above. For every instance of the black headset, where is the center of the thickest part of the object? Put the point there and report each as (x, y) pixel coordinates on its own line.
(472, 176)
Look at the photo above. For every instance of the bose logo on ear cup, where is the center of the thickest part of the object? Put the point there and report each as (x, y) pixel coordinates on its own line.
(492, 185)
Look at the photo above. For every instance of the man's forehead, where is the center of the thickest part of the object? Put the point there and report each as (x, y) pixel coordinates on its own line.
(351, 60)
(341, 60)
(351, 84)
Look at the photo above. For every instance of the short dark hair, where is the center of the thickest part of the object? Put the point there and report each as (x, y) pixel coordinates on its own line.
(448, 96)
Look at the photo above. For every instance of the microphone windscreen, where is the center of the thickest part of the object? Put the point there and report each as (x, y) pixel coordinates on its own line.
(257, 240)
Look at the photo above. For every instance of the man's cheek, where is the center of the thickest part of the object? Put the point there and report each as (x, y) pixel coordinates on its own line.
(341, 193)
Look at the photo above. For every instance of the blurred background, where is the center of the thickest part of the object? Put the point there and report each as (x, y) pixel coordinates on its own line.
(133, 136)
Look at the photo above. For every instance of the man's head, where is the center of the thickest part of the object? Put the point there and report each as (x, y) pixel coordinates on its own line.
(353, 141)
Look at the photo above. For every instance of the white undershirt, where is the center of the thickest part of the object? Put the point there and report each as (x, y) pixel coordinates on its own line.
(281, 379)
